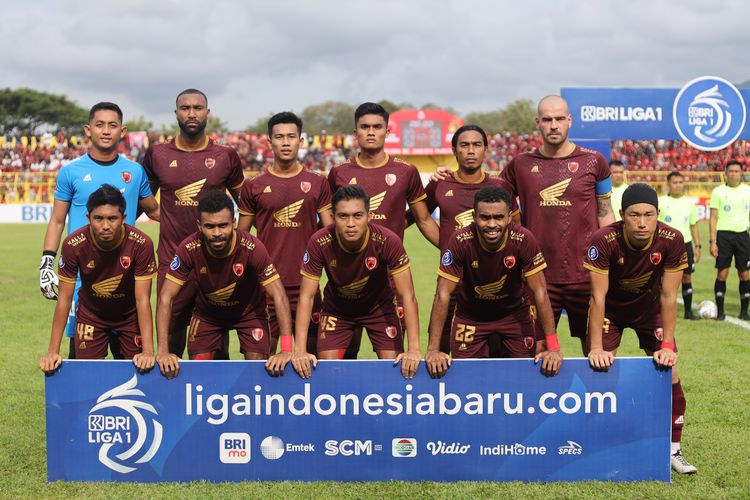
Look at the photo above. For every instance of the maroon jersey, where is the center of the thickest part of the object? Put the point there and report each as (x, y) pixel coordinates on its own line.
(286, 215)
(182, 176)
(455, 198)
(559, 205)
(229, 287)
(491, 282)
(635, 275)
(107, 295)
(390, 187)
(357, 282)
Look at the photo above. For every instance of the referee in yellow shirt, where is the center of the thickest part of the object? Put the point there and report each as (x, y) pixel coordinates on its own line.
(730, 213)
(681, 213)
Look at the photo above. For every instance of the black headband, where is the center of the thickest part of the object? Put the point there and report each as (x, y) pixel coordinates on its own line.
(639, 193)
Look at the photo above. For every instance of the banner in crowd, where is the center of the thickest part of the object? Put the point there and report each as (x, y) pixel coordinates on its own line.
(491, 420)
(709, 113)
(421, 132)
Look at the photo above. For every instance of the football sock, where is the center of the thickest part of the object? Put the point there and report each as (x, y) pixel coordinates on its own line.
(678, 412)
(744, 295)
(687, 296)
(720, 288)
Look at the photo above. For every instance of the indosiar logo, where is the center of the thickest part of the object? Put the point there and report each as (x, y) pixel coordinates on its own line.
(117, 423)
(709, 113)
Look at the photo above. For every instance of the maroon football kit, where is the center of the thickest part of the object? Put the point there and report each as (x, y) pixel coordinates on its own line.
(358, 292)
(490, 292)
(633, 297)
(558, 202)
(230, 292)
(106, 300)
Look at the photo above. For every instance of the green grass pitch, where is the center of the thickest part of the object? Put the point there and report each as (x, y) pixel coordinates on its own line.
(713, 363)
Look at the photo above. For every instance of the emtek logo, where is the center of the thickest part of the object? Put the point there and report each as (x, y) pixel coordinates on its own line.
(572, 448)
(347, 447)
(234, 448)
(404, 447)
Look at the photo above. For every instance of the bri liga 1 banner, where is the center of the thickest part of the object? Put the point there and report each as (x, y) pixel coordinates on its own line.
(486, 420)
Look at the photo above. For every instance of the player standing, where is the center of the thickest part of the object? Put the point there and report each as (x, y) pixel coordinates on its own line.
(182, 169)
(635, 267)
(77, 180)
(682, 214)
(284, 203)
(617, 171)
(115, 263)
(487, 264)
(359, 258)
(563, 192)
(232, 272)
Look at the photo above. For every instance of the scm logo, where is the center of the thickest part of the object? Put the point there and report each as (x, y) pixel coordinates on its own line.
(347, 447)
(234, 448)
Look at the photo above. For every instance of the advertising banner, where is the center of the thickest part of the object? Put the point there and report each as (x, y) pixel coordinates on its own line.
(421, 132)
(489, 420)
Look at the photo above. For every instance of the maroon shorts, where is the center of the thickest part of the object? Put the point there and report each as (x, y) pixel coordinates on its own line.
(92, 342)
(335, 332)
(650, 334)
(205, 336)
(470, 339)
(292, 294)
(182, 305)
(574, 298)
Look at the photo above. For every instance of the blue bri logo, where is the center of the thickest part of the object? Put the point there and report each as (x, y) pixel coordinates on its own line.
(709, 113)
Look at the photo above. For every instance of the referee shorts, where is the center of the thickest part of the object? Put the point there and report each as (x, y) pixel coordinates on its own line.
(735, 245)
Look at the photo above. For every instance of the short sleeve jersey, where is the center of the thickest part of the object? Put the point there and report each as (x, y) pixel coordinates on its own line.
(230, 288)
(78, 179)
(733, 205)
(390, 187)
(558, 202)
(635, 275)
(286, 215)
(680, 213)
(357, 281)
(183, 176)
(455, 198)
(107, 295)
(490, 283)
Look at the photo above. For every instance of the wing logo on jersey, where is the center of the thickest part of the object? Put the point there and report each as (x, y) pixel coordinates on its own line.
(103, 289)
(551, 195)
(186, 194)
(221, 296)
(285, 215)
(353, 290)
(375, 203)
(490, 290)
(464, 218)
(635, 285)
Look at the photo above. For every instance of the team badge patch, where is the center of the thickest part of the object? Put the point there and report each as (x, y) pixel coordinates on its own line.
(390, 179)
(655, 258)
(126, 176)
(305, 186)
(400, 311)
(447, 258)
(510, 261)
(175, 264)
(528, 342)
(209, 163)
(257, 334)
(391, 332)
(659, 334)
(239, 269)
(125, 261)
(371, 263)
(306, 258)
(315, 318)
(573, 166)
(593, 252)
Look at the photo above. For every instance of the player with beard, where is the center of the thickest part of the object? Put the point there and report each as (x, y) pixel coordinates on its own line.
(115, 263)
(487, 263)
(635, 266)
(182, 169)
(284, 203)
(233, 273)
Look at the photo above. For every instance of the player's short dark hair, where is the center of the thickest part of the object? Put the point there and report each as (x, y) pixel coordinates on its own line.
(734, 162)
(284, 117)
(616, 163)
(107, 194)
(350, 192)
(110, 106)
(492, 194)
(214, 202)
(370, 108)
(468, 128)
(190, 91)
(675, 173)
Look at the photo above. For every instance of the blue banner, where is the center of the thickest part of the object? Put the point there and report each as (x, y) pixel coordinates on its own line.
(709, 113)
(492, 420)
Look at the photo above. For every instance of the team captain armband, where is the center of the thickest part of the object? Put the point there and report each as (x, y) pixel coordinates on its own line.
(552, 343)
(604, 187)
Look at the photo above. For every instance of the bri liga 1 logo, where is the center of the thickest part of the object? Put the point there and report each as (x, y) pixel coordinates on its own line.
(709, 113)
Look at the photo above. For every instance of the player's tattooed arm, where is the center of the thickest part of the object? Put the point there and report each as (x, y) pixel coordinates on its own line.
(599, 359)
(52, 360)
(438, 362)
(604, 212)
(169, 363)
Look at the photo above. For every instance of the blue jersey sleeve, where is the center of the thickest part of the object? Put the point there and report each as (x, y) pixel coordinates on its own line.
(65, 189)
(145, 188)
(604, 186)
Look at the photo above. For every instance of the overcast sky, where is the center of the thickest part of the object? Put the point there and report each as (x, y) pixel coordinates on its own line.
(252, 58)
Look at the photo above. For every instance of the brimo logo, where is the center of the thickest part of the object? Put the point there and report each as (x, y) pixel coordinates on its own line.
(121, 423)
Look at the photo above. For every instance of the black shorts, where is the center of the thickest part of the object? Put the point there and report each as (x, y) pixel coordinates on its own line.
(691, 259)
(735, 245)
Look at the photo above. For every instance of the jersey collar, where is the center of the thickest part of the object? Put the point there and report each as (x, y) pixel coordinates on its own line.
(203, 145)
(382, 164)
(568, 153)
(457, 176)
(296, 172)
